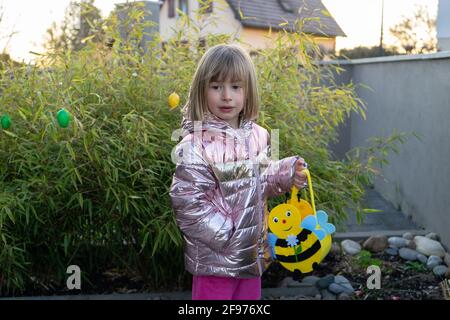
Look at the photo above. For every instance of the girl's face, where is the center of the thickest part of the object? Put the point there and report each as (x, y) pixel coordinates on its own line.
(226, 100)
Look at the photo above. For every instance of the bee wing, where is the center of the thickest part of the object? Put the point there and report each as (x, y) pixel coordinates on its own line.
(329, 228)
(322, 218)
(309, 223)
(272, 239)
(320, 234)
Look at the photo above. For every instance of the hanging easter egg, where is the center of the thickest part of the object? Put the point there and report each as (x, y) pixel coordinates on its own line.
(63, 118)
(174, 100)
(5, 121)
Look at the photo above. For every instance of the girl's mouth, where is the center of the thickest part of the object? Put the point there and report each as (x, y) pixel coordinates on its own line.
(226, 109)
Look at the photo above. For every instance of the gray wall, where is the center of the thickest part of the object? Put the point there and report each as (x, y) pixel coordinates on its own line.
(408, 93)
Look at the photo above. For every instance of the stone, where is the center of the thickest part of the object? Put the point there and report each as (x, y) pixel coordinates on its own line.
(422, 258)
(432, 236)
(408, 254)
(440, 270)
(376, 243)
(335, 249)
(340, 279)
(393, 251)
(286, 282)
(343, 296)
(325, 282)
(447, 259)
(338, 288)
(340, 285)
(350, 247)
(327, 295)
(335, 288)
(411, 244)
(408, 236)
(433, 261)
(429, 247)
(311, 280)
(307, 290)
(398, 242)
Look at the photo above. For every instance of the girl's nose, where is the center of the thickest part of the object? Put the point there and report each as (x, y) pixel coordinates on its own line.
(226, 94)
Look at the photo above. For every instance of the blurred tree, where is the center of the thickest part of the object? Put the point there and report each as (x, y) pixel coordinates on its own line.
(416, 34)
(6, 60)
(366, 52)
(82, 21)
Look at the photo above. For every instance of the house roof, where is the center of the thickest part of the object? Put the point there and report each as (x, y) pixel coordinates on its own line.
(271, 13)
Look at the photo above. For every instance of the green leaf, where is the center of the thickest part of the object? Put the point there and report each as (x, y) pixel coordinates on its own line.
(371, 210)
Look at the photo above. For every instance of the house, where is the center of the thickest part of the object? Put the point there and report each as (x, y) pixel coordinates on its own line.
(443, 25)
(150, 13)
(250, 20)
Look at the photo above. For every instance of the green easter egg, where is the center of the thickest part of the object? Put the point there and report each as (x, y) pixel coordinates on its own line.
(6, 122)
(63, 118)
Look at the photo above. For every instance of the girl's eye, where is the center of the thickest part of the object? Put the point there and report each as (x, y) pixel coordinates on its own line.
(288, 213)
(275, 220)
(215, 87)
(236, 87)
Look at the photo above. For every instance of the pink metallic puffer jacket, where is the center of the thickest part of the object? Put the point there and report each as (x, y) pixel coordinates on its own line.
(219, 191)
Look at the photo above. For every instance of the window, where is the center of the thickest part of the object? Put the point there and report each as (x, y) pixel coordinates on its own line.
(171, 8)
(183, 6)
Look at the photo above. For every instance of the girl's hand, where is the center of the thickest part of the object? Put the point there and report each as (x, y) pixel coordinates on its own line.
(300, 179)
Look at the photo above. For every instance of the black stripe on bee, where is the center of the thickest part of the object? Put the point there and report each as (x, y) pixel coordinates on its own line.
(301, 256)
(300, 237)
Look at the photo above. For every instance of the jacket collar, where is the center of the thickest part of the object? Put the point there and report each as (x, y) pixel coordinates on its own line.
(213, 123)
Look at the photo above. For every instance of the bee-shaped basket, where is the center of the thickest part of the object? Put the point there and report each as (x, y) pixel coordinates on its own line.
(299, 237)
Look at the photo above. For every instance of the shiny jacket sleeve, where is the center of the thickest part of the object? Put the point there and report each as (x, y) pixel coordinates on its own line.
(198, 214)
(278, 174)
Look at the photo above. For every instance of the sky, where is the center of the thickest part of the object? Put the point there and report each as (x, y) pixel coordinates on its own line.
(359, 19)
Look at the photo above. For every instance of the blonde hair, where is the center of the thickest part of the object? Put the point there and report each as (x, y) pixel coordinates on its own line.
(217, 64)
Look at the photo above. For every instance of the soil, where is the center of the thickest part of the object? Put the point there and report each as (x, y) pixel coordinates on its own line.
(399, 281)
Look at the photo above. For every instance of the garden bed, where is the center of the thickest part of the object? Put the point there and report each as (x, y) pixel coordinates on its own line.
(400, 280)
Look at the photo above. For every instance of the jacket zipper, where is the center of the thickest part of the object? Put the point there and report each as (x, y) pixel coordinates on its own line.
(258, 206)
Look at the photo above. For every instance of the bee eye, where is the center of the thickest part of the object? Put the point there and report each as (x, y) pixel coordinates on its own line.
(288, 213)
(275, 220)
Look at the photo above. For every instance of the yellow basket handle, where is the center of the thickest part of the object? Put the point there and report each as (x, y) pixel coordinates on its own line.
(311, 191)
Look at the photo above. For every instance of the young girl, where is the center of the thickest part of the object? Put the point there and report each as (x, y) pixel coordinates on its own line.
(223, 178)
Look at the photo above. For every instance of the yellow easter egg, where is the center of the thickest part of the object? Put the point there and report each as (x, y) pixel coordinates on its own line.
(174, 100)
